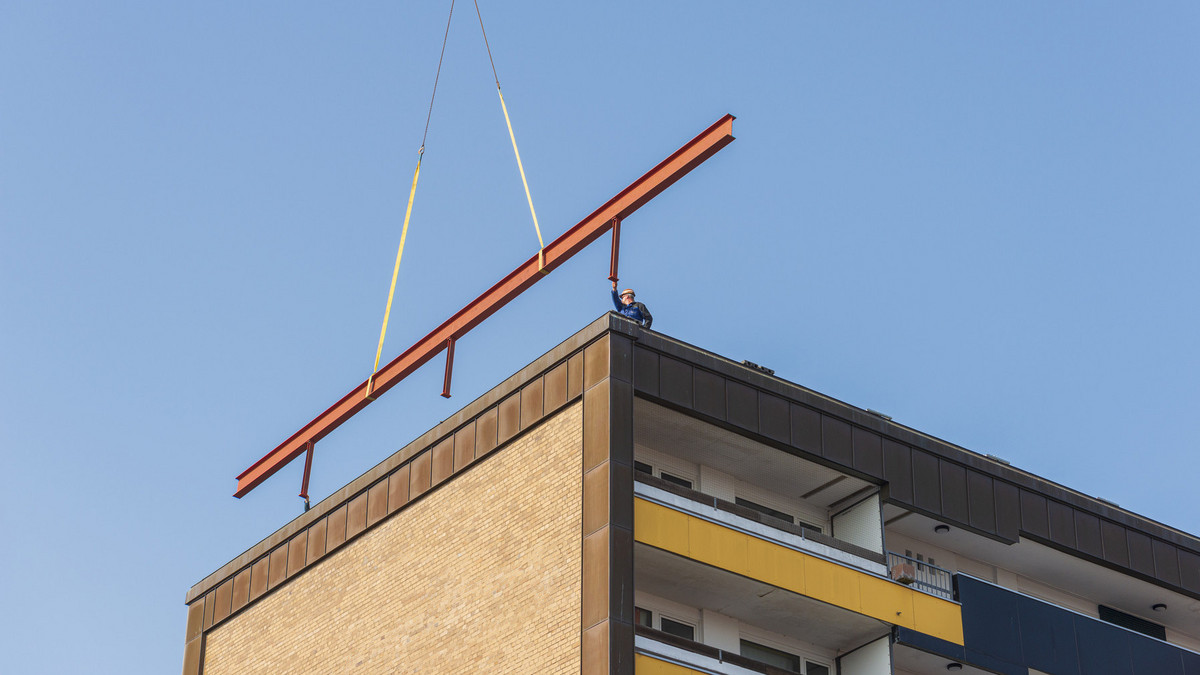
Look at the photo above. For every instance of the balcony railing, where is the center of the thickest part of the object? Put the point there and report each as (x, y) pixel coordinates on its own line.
(921, 575)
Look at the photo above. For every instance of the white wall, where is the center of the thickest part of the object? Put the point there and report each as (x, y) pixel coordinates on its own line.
(874, 658)
(861, 524)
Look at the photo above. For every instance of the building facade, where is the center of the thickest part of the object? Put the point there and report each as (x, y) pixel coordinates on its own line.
(630, 503)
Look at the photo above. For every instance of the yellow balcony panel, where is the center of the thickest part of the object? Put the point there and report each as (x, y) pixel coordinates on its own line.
(648, 665)
(717, 545)
(834, 584)
(775, 564)
(888, 601)
(661, 527)
(934, 616)
(749, 556)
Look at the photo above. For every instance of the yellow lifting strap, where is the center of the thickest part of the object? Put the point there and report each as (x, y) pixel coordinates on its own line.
(532, 212)
(513, 137)
(387, 313)
(412, 193)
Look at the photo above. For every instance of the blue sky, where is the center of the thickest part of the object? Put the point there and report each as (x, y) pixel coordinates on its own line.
(979, 219)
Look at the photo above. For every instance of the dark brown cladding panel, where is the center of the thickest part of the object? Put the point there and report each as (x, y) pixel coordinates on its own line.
(981, 502)
(868, 452)
(806, 429)
(464, 439)
(1189, 571)
(836, 443)
(377, 497)
(1008, 510)
(222, 599)
(335, 532)
(575, 375)
(1034, 518)
(620, 358)
(1116, 548)
(555, 388)
(1141, 554)
(897, 471)
(927, 486)
(485, 435)
(443, 461)
(510, 418)
(258, 577)
(532, 402)
(742, 406)
(773, 419)
(296, 548)
(419, 480)
(954, 491)
(317, 539)
(1087, 534)
(1166, 562)
(675, 382)
(241, 589)
(1062, 523)
(356, 510)
(645, 371)
(709, 394)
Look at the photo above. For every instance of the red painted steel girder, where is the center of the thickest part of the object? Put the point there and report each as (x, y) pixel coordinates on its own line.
(557, 252)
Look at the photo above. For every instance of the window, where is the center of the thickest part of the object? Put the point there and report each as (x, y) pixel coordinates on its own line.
(645, 617)
(768, 511)
(782, 659)
(677, 628)
(670, 478)
(765, 510)
(676, 480)
(1135, 623)
(770, 656)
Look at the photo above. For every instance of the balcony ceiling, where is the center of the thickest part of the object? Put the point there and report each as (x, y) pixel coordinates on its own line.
(695, 584)
(1092, 583)
(677, 434)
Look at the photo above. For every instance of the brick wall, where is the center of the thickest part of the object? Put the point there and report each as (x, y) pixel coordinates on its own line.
(483, 575)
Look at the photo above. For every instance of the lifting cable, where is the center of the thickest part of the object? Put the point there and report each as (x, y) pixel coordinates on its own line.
(532, 212)
(408, 211)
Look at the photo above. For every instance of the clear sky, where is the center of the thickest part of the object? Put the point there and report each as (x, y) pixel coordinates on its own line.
(980, 219)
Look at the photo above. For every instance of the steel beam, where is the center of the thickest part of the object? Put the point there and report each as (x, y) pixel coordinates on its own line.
(530, 272)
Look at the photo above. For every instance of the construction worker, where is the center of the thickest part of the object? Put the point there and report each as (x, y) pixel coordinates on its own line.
(627, 307)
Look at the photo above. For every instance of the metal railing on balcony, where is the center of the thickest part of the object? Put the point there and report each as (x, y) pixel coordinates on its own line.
(921, 575)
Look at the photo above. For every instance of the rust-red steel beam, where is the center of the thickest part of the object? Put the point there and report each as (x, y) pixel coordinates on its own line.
(557, 252)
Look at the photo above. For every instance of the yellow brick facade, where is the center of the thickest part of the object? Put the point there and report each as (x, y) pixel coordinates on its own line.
(483, 575)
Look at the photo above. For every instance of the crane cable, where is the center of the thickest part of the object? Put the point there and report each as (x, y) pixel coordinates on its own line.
(512, 136)
(387, 312)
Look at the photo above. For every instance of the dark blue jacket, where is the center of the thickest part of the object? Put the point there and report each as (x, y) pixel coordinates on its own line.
(634, 310)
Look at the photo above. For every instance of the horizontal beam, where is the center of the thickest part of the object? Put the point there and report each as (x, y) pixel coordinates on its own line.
(556, 253)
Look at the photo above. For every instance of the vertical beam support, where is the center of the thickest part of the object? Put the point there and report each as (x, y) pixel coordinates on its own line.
(616, 250)
(449, 367)
(308, 456)
(608, 617)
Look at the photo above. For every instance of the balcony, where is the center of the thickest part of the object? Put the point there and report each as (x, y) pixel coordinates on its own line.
(702, 658)
(920, 575)
(758, 524)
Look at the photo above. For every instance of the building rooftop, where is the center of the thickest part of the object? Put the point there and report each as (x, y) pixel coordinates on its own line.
(920, 474)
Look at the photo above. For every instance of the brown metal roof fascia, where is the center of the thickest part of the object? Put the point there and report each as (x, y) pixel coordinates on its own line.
(943, 449)
(642, 190)
(590, 333)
